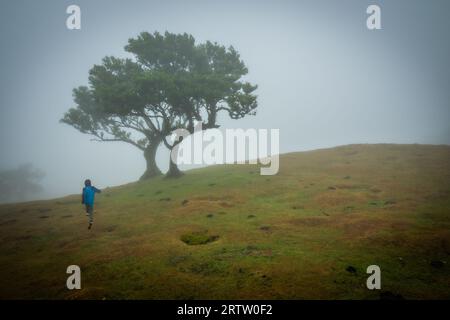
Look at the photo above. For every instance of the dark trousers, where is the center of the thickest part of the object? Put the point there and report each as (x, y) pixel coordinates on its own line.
(90, 211)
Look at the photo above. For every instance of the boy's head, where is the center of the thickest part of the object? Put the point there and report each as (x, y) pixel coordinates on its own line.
(87, 183)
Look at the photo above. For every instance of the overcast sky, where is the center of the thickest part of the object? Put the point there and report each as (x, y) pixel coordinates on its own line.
(324, 78)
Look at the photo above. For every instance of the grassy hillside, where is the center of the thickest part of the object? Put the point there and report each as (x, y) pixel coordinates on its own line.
(228, 232)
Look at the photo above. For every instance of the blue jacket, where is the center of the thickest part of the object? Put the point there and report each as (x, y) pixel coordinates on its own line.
(88, 195)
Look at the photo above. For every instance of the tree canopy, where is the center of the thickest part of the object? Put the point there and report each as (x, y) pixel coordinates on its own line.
(170, 83)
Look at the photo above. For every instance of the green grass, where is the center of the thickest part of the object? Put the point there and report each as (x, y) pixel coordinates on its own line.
(289, 236)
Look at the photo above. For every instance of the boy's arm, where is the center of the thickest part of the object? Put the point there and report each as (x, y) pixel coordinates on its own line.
(97, 190)
(82, 196)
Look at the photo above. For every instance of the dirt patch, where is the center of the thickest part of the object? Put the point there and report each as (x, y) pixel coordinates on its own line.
(256, 252)
(22, 238)
(176, 260)
(213, 198)
(350, 186)
(8, 222)
(335, 198)
(111, 228)
(350, 225)
(205, 268)
(349, 209)
(213, 205)
(310, 221)
(225, 204)
(390, 202)
(355, 228)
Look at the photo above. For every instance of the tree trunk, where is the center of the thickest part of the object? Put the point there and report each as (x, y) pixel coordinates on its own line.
(150, 157)
(173, 172)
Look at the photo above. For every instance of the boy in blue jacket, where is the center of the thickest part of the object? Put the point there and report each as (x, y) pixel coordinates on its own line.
(87, 198)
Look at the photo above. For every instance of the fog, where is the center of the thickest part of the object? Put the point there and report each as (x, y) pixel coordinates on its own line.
(324, 79)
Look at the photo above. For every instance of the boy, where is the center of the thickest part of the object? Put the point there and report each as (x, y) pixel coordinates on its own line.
(87, 198)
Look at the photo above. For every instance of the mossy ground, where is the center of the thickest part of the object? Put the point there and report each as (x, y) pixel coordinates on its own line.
(198, 237)
(289, 236)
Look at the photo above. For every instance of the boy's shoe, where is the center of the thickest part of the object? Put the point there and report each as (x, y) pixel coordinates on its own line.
(90, 226)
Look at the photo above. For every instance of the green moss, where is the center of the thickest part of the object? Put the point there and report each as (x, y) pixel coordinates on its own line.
(198, 237)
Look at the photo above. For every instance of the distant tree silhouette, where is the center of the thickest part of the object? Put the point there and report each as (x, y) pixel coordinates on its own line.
(20, 184)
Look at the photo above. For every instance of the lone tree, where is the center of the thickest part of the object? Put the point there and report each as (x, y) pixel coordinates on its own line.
(169, 84)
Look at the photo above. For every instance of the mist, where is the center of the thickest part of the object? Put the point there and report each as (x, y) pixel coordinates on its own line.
(323, 78)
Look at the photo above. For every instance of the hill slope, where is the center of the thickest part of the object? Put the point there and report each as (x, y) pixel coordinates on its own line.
(290, 236)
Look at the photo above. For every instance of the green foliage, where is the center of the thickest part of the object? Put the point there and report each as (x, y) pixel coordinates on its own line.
(170, 83)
